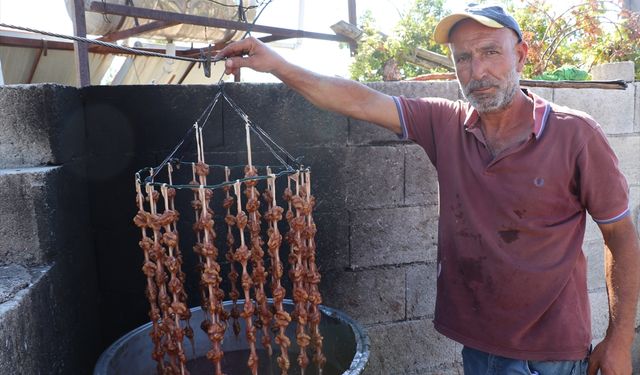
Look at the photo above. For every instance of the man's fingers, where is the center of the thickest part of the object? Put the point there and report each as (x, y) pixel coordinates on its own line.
(239, 48)
(592, 369)
(233, 64)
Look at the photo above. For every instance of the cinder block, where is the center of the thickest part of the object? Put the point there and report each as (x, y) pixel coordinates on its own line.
(147, 119)
(40, 125)
(330, 173)
(374, 177)
(614, 116)
(420, 179)
(419, 89)
(636, 351)
(599, 313)
(111, 189)
(393, 236)
(13, 278)
(361, 132)
(594, 251)
(120, 260)
(27, 215)
(627, 148)
(634, 193)
(410, 346)
(51, 327)
(543, 92)
(332, 240)
(369, 296)
(636, 126)
(421, 290)
(288, 118)
(623, 70)
(592, 231)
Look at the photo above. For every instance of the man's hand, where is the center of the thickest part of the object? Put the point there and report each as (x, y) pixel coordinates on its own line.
(610, 358)
(335, 94)
(251, 53)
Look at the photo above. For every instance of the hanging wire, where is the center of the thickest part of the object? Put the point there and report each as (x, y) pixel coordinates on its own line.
(105, 16)
(104, 44)
(171, 156)
(263, 136)
(276, 150)
(233, 5)
(248, 32)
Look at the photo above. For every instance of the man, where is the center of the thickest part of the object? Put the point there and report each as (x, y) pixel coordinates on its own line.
(517, 176)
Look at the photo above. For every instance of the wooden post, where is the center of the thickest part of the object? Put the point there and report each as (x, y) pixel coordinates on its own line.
(353, 19)
(81, 49)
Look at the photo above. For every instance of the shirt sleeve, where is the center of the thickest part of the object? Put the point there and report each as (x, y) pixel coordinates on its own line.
(604, 191)
(420, 119)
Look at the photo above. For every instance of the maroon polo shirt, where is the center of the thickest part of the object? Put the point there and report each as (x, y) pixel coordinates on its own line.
(511, 271)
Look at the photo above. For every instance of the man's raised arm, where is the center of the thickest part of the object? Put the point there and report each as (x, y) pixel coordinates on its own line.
(335, 94)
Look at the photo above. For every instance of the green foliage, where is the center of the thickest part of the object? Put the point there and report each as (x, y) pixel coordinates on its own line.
(586, 33)
(566, 73)
(374, 49)
(415, 29)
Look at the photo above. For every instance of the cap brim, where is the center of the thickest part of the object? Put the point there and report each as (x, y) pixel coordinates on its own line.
(441, 33)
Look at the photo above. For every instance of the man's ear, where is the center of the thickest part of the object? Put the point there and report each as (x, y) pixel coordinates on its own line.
(521, 50)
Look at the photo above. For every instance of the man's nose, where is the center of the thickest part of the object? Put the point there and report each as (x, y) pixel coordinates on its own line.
(478, 69)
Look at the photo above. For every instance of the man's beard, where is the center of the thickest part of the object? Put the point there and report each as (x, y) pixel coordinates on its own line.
(485, 102)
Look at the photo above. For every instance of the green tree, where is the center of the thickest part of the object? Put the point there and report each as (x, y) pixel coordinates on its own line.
(586, 33)
(415, 29)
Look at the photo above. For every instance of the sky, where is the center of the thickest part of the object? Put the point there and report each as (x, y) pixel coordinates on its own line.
(314, 15)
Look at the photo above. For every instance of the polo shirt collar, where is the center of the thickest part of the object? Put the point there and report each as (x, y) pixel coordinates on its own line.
(541, 110)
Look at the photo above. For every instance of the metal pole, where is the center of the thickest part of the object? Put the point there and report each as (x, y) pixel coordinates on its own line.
(81, 49)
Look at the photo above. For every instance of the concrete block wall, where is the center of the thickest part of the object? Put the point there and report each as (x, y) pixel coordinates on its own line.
(48, 293)
(377, 200)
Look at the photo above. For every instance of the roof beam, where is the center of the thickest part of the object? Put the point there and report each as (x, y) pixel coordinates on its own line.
(124, 34)
(31, 42)
(34, 66)
(158, 15)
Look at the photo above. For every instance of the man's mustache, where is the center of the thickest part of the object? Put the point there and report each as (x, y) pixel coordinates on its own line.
(479, 85)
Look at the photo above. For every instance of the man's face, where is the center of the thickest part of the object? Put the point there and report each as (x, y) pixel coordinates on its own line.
(488, 64)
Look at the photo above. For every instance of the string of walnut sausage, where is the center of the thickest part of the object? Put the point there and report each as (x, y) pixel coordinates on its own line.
(172, 333)
(281, 317)
(244, 245)
(297, 273)
(149, 268)
(185, 316)
(259, 274)
(230, 241)
(242, 256)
